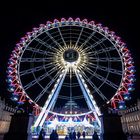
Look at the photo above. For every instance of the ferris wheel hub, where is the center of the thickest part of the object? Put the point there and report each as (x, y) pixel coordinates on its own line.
(71, 55)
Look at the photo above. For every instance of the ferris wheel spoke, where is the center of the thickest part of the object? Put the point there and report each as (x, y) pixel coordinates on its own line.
(95, 44)
(93, 86)
(35, 69)
(40, 78)
(49, 59)
(88, 70)
(57, 64)
(105, 59)
(79, 37)
(101, 78)
(107, 69)
(62, 37)
(105, 80)
(47, 86)
(86, 41)
(105, 50)
(34, 50)
(52, 38)
(45, 44)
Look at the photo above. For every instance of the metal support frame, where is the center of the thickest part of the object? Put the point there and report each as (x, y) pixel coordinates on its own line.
(51, 99)
(89, 98)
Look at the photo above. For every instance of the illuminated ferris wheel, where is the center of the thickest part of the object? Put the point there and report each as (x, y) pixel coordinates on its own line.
(70, 61)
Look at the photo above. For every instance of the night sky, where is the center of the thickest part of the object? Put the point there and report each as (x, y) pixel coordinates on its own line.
(15, 21)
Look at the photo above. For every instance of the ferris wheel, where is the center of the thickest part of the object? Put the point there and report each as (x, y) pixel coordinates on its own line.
(70, 61)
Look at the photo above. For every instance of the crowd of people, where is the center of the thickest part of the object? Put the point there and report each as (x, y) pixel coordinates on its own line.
(74, 135)
(71, 136)
(54, 135)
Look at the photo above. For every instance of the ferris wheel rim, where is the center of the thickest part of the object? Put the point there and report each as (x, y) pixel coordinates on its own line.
(108, 35)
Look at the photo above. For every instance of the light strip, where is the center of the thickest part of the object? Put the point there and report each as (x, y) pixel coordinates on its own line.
(90, 100)
(52, 97)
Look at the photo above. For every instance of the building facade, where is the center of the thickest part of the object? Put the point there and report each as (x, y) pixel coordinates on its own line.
(130, 119)
(5, 116)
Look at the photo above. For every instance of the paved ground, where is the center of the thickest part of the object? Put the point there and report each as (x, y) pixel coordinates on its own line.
(89, 138)
(63, 137)
(136, 138)
(1, 137)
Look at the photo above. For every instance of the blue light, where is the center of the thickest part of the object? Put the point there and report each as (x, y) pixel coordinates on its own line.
(130, 89)
(15, 98)
(77, 21)
(121, 105)
(9, 80)
(63, 21)
(127, 96)
(20, 103)
(11, 89)
(10, 62)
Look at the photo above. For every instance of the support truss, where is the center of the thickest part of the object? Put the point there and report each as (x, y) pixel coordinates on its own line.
(51, 99)
(89, 98)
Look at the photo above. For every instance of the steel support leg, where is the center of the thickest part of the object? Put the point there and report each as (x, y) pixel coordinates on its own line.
(89, 98)
(51, 99)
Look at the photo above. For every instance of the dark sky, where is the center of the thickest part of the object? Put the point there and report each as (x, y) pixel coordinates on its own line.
(16, 20)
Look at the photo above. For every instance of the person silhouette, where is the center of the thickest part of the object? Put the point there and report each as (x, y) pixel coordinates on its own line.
(84, 134)
(74, 135)
(70, 135)
(42, 135)
(78, 135)
(54, 135)
(95, 136)
(66, 138)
